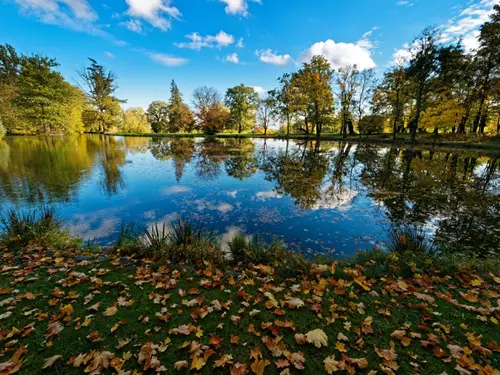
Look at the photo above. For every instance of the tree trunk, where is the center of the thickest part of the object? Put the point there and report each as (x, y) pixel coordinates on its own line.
(287, 124)
(417, 114)
(498, 124)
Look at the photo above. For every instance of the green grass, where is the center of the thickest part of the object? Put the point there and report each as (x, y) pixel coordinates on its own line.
(332, 292)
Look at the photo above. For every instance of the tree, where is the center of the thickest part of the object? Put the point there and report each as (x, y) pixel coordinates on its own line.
(283, 100)
(373, 124)
(364, 93)
(209, 110)
(348, 83)
(313, 91)
(422, 67)
(242, 102)
(135, 120)
(158, 115)
(43, 96)
(391, 96)
(489, 65)
(265, 112)
(181, 117)
(104, 109)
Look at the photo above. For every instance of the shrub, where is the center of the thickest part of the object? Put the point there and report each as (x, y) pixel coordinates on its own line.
(35, 228)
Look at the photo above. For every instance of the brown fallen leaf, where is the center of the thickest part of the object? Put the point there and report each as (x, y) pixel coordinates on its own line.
(49, 362)
(259, 365)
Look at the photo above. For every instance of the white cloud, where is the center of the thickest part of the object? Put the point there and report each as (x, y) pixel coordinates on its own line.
(404, 3)
(343, 54)
(232, 58)
(154, 12)
(238, 7)
(109, 54)
(270, 57)
(467, 23)
(133, 25)
(240, 43)
(222, 39)
(167, 60)
(73, 14)
(259, 89)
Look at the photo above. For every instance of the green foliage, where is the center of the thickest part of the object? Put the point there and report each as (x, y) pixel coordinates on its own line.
(371, 124)
(104, 112)
(36, 228)
(158, 115)
(135, 121)
(242, 102)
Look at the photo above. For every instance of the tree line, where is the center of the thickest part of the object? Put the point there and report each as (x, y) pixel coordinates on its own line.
(440, 88)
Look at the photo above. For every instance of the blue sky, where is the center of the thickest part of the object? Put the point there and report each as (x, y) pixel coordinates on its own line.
(222, 43)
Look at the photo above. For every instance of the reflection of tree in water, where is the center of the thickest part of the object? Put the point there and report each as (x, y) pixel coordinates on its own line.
(241, 163)
(452, 190)
(237, 156)
(112, 158)
(137, 144)
(180, 150)
(298, 173)
(45, 169)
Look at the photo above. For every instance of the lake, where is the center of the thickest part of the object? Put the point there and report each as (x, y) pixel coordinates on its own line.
(319, 197)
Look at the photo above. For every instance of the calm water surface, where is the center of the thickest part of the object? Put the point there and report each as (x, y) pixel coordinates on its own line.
(325, 197)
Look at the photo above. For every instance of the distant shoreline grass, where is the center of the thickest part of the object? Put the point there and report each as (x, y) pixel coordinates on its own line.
(444, 140)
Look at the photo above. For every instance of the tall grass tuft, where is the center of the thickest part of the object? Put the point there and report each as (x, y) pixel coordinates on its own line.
(180, 242)
(256, 251)
(35, 228)
(410, 239)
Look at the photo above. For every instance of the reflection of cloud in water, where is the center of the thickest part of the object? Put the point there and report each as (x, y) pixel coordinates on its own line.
(232, 194)
(166, 221)
(222, 207)
(228, 236)
(150, 214)
(333, 198)
(174, 190)
(265, 195)
(105, 228)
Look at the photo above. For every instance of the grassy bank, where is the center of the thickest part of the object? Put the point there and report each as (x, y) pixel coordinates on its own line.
(142, 307)
(445, 140)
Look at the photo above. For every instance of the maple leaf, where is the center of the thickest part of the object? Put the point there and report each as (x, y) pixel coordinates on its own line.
(331, 365)
(5, 315)
(198, 363)
(317, 337)
(297, 360)
(280, 363)
(341, 347)
(179, 365)
(295, 303)
(425, 297)
(49, 362)
(110, 311)
(259, 365)
(54, 329)
(300, 338)
(239, 369)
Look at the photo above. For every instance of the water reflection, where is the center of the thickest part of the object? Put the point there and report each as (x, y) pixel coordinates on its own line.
(317, 195)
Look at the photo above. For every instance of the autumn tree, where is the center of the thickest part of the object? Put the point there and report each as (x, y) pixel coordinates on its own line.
(488, 57)
(210, 111)
(421, 69)
(313, 91)
(158, 116)
(181, 118)
(100, 86)
(348, 83)
(283, 98)
(265, 112)
(135, 120)
(242, 102)
(367, 81)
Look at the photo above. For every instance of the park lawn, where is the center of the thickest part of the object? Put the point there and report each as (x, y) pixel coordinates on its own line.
(85, 313)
